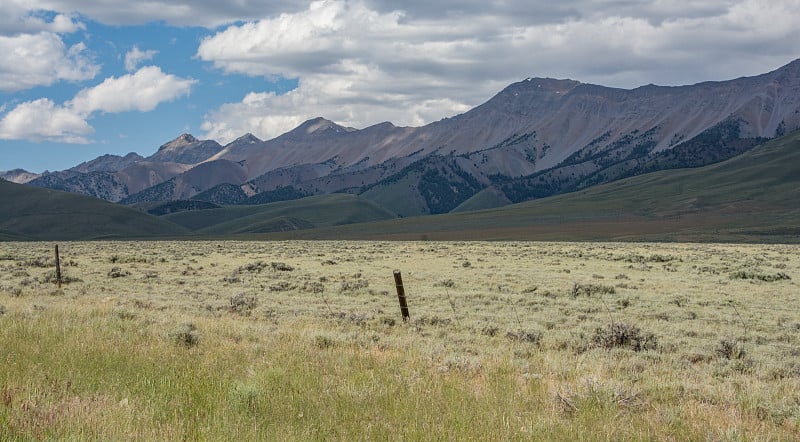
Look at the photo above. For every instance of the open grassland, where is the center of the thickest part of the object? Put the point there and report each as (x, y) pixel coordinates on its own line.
(303, 341)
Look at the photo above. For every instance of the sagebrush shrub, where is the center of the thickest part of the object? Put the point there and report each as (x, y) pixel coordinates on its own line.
(243, 303)
(620, 334)
(185, 335)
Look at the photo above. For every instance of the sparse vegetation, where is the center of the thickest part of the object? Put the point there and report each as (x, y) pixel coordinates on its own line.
(259, 341)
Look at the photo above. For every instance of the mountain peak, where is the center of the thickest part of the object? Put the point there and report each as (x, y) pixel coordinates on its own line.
(186, 149)
(177, 143)
(316, 127)
(551, 85)
(245, 140)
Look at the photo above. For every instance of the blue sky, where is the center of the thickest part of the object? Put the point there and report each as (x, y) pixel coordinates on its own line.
(79, 78)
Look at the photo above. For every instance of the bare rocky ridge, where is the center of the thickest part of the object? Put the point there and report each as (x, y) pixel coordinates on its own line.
(108, 163)
(19, 176)
(185, 149)
(535, 138)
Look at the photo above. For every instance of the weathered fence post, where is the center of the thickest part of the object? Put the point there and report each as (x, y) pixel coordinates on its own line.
(401, 294)
(58, 268)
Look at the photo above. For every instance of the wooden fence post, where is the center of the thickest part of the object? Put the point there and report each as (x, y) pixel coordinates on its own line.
(58, 268)
(401, 294)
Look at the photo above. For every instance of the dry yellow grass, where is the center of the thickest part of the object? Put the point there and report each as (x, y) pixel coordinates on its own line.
(303, 340)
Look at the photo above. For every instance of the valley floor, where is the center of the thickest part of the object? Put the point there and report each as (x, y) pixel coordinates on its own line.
(303, 340)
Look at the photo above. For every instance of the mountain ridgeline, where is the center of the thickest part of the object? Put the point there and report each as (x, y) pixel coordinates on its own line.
(534, 139)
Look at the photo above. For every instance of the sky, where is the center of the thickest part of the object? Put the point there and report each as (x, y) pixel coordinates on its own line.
(83, 78)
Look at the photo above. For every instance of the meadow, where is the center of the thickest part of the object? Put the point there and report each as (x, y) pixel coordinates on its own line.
(303, 340)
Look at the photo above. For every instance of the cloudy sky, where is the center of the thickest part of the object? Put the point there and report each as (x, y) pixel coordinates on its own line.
(81, 78)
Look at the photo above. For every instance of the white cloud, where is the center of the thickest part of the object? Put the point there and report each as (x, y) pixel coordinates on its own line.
(210, 13)
(364, 61)
(268, 115)
(30, 60)
(43, 120)
(136, 56)
(141, 91)
(19, 17)
(33, 51)
(360, 62)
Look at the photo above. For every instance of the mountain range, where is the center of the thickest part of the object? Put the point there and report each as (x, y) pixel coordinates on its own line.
(754, 196)
(535, 138)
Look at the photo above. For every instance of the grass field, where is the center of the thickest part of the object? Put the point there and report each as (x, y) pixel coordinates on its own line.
(304, 341)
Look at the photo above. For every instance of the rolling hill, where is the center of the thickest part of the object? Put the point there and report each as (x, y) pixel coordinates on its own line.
(306, 213)
(30, 213)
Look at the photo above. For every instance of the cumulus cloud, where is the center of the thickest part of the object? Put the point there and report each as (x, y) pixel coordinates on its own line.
(20, 17)
(33, 51)
(43, 120)
(136, 56)
(141, 91)
(41, 59)
(362, 62)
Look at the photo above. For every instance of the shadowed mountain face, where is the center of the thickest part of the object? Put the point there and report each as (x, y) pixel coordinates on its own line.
(535, 138)
(29, 213)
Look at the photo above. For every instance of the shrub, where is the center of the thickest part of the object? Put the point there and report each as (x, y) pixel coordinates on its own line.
(489, 330)
(531, 337)
(620, 334)
(281, 286)
(742, 274)
(185, 335)
(281, 267)
(117, 272)
(323, 342)
(351, 286)
(243, 304)
(729, 349)
(591, 289)
(255, 267)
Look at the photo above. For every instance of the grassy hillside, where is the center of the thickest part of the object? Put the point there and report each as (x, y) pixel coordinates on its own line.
(488, 198)
(432, 185)
(755, 196)
(316, 211)
(31, 213)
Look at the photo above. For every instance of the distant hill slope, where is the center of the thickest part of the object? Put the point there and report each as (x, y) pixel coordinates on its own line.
(754, 196)
(316, 211)
(30, 213)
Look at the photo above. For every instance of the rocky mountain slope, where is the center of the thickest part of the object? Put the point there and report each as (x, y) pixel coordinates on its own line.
(185, 149)
(535, 138)
(19, 176)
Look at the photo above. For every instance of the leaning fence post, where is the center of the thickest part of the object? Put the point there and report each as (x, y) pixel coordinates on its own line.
(401, 294)
(58, 268)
